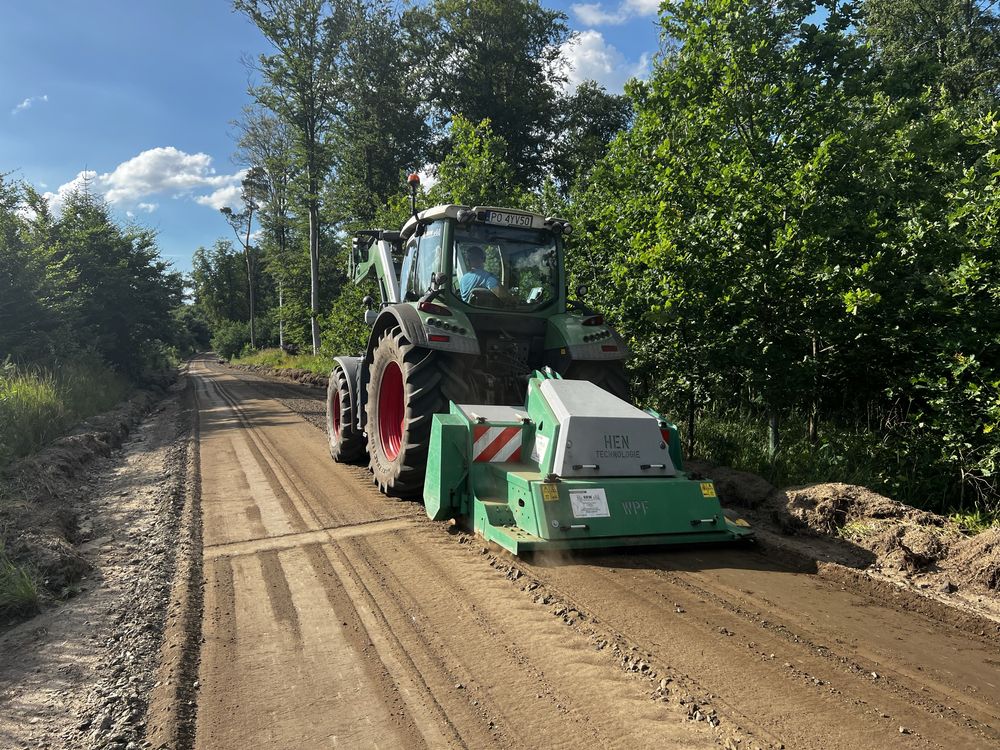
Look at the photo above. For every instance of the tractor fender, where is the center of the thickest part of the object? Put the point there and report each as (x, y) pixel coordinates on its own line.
(353, 370)
(403, 316)
(407, 318)
(350, 366)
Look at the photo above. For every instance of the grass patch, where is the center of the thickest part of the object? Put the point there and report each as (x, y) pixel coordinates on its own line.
(856, 530)
(974, 521)
(38, 404)
(280, 360)
(19, 593)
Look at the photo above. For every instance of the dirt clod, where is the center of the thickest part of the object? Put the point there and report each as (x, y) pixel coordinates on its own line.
(979, 556)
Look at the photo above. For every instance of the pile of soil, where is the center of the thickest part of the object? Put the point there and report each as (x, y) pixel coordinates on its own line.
(299, 376)
(883, 534)
(40, 525)
(979, 556)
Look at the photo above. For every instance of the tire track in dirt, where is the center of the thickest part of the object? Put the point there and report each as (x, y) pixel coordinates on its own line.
(418, 668)
(784, 653)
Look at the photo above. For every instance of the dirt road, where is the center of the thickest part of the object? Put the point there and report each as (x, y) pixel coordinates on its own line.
(336, 617)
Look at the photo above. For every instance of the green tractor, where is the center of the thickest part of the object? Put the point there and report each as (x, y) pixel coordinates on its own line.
(478, 370)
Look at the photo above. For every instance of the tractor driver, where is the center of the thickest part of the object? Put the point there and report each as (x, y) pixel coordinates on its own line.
(477, 277)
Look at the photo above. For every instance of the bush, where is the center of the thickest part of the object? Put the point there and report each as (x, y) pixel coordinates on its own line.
(230, 338)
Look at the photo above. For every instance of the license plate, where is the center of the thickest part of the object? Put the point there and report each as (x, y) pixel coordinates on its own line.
(508, 220)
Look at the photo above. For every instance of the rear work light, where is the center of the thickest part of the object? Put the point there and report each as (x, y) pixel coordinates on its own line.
(430, 307)
(594, 320)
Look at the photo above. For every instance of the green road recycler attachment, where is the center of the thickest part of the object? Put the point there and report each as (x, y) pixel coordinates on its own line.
(575, 468)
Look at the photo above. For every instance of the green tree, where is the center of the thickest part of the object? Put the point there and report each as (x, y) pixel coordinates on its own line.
(265, 143)
(254, 188)
(951, 44)
(303, 85)
(726, 200)
(475, 171)
(496, 60)
(588, 119)
(216, 278)
(26, 321)
(383, 129)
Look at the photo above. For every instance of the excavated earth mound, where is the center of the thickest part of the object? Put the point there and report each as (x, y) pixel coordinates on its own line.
(979, 558)
(299, 376)
(39, 525)
(878, 533)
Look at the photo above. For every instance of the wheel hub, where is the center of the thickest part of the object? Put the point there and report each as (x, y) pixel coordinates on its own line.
(391, 411)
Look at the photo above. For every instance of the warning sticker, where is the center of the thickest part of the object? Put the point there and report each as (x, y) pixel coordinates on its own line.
(538, 449)
(707, 489)
(589, 503)
(550, 492)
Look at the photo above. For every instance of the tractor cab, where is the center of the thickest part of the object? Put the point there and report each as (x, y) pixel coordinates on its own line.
(485, 259)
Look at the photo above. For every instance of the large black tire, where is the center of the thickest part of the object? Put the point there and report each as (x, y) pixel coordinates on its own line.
(347, 443)
(407, 387)
(609, 374)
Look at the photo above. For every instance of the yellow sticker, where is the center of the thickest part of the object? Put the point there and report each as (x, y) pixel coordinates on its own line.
(550, 492)
(707, 489)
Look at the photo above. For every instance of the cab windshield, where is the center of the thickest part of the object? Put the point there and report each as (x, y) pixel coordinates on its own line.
(507, 267)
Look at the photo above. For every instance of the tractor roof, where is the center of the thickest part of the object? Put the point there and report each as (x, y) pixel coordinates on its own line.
(451, 211)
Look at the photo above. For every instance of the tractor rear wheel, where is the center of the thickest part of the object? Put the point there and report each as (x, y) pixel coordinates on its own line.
(347, 443)
(405, 391)
(609, 374)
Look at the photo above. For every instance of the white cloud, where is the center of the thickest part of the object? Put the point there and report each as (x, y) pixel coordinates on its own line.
(644, 7)
(594, 14)
(427, 177)
(223, 197)
(590, 57)
(157, 171)
(29, 103)
(82, 180)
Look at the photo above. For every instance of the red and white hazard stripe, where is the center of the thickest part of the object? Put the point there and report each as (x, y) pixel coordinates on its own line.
(496, 443)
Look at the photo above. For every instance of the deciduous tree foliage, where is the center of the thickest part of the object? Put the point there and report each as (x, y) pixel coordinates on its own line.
(80, 283)
(496, 60)
(302, 85)
(782, 233)
(794, 218)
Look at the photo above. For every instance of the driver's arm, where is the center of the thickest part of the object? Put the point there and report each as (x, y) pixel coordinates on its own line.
(499, 289)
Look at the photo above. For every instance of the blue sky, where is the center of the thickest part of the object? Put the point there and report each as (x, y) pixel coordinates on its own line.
(141, 94)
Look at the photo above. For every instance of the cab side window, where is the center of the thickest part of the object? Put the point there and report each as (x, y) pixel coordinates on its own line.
(409, 253)
(425, 262)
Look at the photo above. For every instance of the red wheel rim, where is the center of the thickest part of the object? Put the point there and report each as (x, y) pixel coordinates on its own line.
(391, 411)
(335, 411)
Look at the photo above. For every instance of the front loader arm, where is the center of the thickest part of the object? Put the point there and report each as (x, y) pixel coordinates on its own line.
(371, 254)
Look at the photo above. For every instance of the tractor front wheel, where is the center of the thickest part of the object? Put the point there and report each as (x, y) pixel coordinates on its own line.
(404, 393)
(347, 444)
